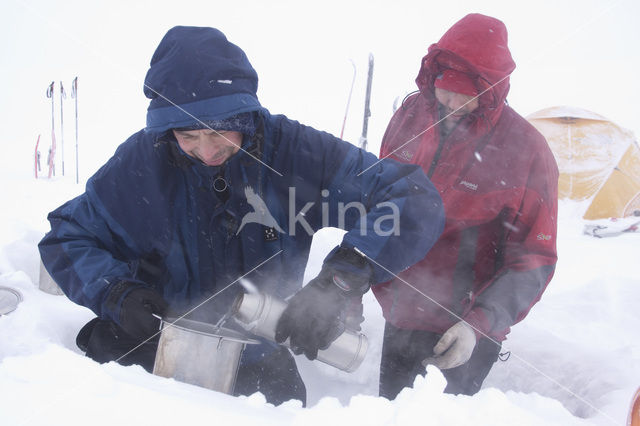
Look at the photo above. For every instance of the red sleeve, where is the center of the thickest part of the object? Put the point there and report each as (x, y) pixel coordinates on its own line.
(529, 254)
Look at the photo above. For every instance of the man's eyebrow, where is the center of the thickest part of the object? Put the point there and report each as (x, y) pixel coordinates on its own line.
(182, 132)
(207, 131)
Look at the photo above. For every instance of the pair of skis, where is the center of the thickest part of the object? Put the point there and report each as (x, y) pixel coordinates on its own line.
(50, 157)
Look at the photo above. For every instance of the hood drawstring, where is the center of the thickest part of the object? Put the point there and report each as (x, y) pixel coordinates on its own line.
(404, 104)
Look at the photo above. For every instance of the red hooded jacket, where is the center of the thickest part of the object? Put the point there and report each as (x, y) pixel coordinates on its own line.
(498, 180)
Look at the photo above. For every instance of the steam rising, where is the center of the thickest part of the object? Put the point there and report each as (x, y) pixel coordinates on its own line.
(248, 286)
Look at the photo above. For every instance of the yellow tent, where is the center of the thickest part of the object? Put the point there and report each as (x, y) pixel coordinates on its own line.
(598, 160)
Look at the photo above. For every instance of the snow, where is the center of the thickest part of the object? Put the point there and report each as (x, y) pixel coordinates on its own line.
(575, 360)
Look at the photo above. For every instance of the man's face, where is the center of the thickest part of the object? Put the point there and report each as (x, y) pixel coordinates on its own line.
(211, 147)
(455, 106)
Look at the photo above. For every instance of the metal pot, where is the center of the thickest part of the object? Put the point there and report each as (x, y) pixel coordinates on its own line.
(200, 354)
(46, 282)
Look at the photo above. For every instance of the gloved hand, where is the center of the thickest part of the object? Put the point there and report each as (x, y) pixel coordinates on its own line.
(137, 309)
(454, 347)
(315, 315)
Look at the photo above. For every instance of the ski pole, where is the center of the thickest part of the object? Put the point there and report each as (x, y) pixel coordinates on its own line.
(63, 95)
(74, 95)
(367, 111)
(52, 149)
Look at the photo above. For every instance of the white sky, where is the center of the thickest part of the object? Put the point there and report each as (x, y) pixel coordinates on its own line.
(577, 53)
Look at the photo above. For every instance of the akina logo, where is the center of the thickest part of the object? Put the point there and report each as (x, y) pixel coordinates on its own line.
(260, 213)
(383, 225)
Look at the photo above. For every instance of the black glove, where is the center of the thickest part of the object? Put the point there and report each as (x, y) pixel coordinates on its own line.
(316, 314)
(137, 309)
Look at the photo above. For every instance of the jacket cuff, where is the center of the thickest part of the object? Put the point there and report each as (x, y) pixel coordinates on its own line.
(478, 319)
(349, 270)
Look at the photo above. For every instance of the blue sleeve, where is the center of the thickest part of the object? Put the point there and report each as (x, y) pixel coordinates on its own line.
(87, 251)
(405, 213)
(82, 255)
(391, 211)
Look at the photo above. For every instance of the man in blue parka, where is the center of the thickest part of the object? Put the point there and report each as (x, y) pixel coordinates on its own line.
(216, 188)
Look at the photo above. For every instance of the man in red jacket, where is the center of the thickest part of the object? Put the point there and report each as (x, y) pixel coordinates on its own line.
(498, 179)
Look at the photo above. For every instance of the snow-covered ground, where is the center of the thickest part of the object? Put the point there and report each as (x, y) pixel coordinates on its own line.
(575, 359)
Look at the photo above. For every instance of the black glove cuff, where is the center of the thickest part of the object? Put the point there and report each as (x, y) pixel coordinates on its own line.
(350, 286)
(348, 270)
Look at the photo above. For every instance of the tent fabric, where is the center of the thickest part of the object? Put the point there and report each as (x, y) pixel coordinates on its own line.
(598, 160)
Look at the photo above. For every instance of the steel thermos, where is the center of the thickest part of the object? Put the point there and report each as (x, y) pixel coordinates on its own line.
(258, 313)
